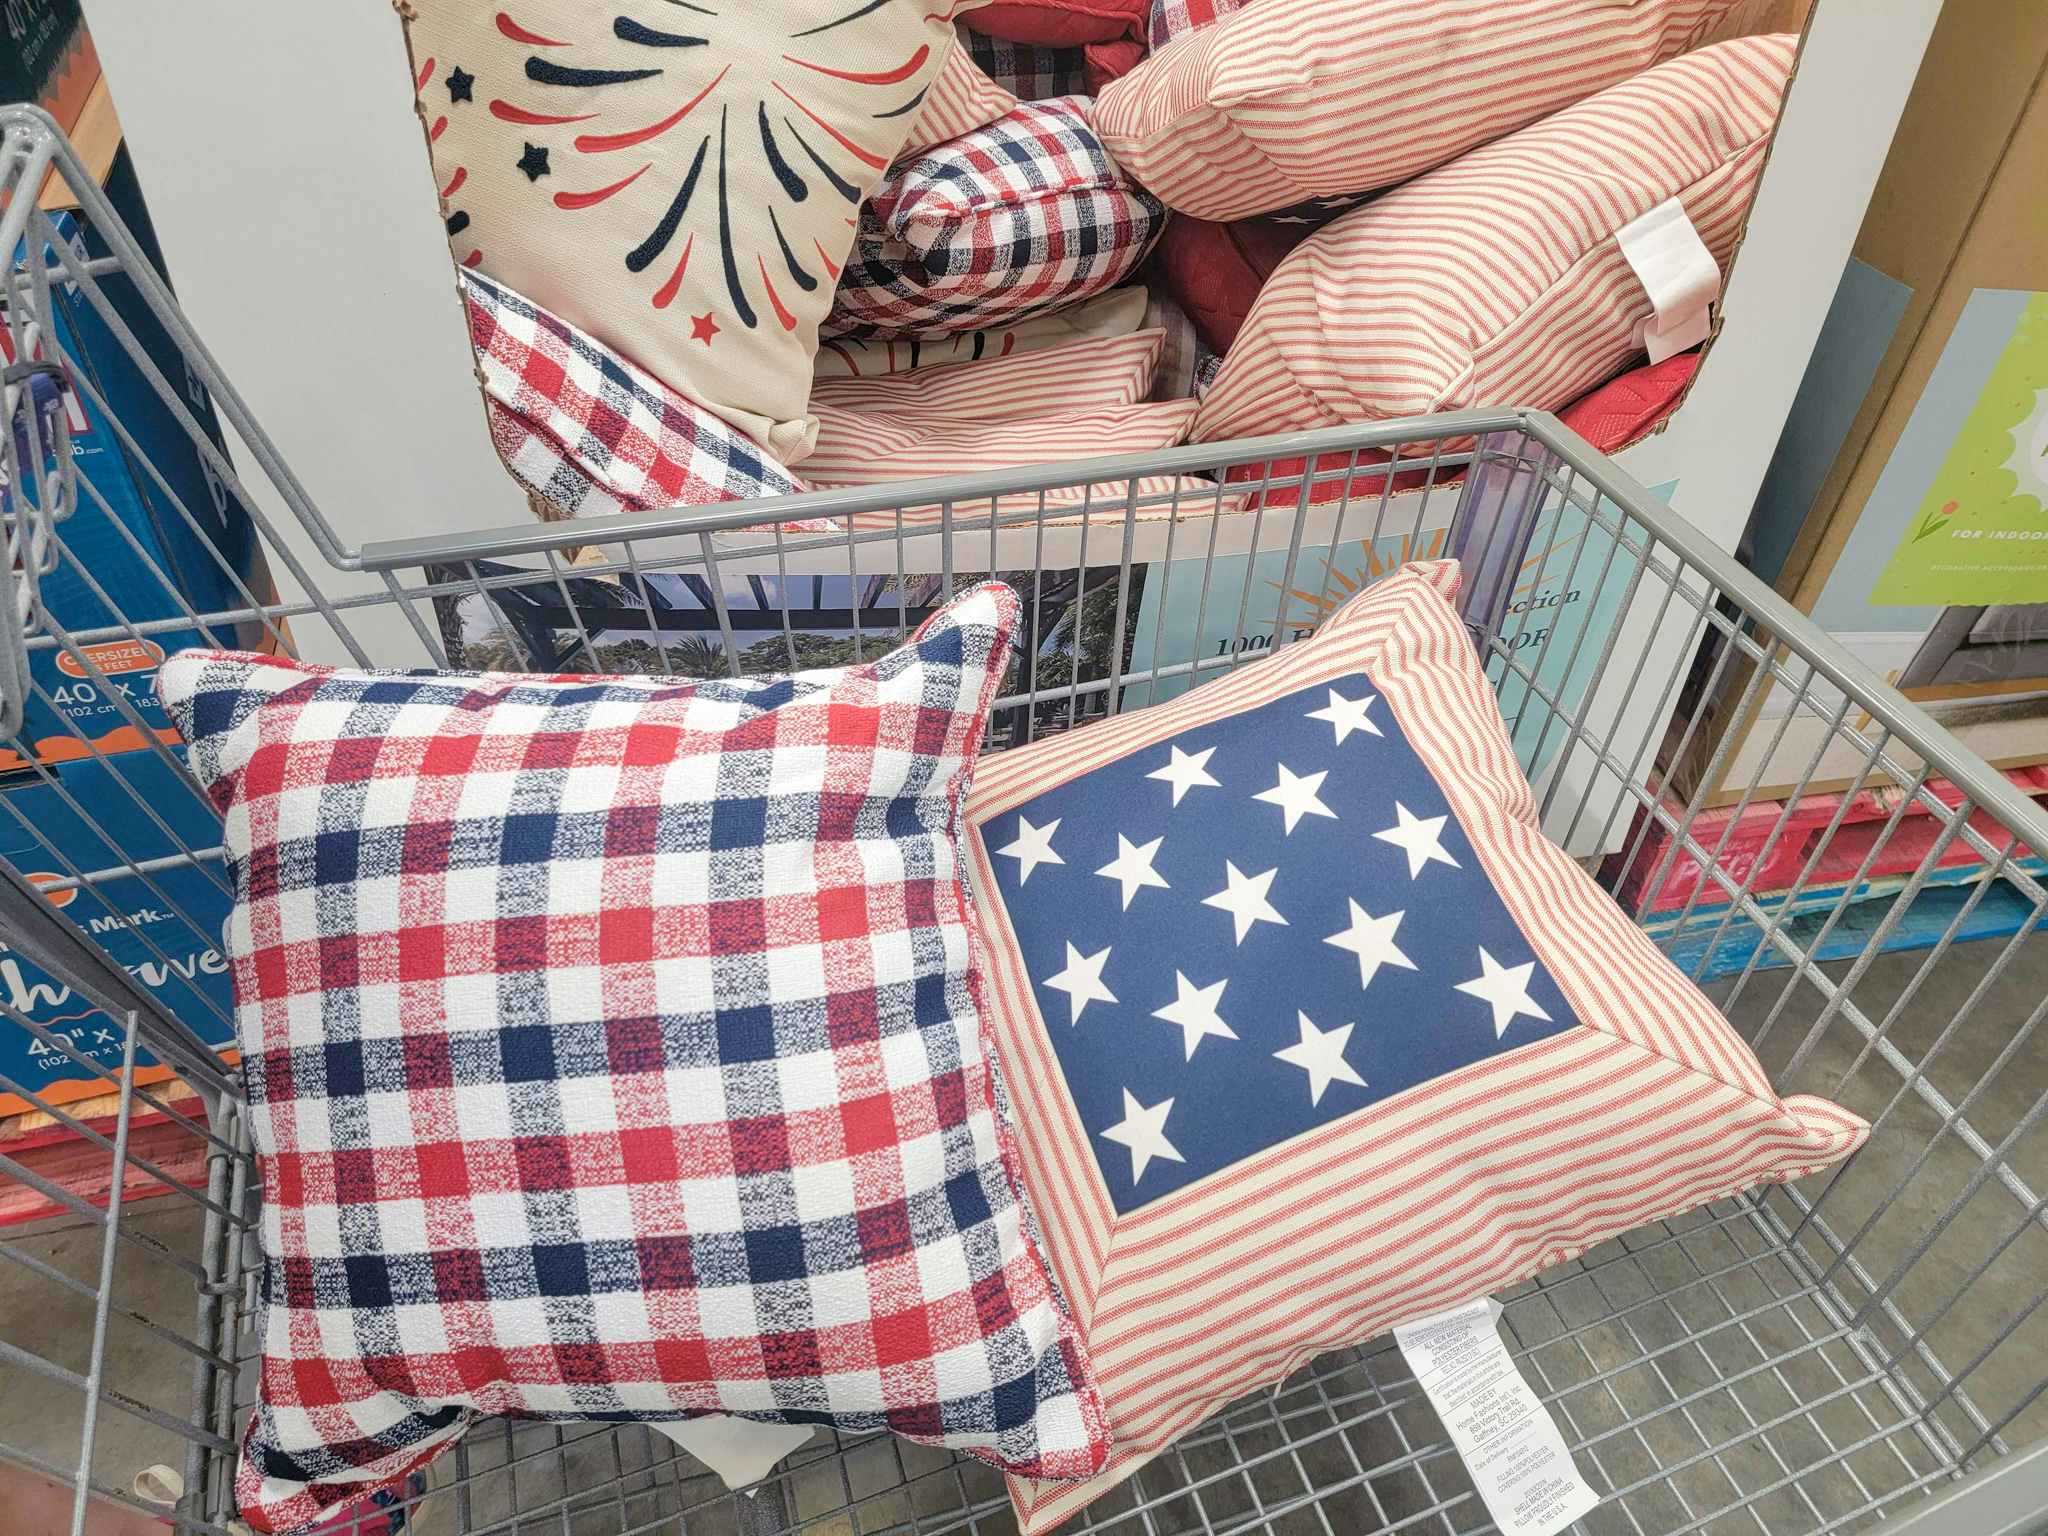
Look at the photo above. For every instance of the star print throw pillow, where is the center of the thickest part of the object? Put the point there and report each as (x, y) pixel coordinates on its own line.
(681, 181)
(1311, 1033)
(612, 1052)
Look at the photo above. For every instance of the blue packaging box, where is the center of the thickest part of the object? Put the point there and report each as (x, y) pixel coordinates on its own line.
(180, 962)
(145, 554)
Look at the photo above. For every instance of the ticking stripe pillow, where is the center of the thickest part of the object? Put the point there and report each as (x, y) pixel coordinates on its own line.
(1311, 1033)
(1497, 279)
(1117, 313)
(1076, 401)
(1291, 100)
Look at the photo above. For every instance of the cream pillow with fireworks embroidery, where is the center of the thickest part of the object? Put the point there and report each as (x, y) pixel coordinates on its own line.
(680, 180)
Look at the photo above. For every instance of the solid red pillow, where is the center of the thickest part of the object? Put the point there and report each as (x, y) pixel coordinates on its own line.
(1111, 61)
(1061, 23)
(1216, 270)
(1625, 410)
(1619, 413)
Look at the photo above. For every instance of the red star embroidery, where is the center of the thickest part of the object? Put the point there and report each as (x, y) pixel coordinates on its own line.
(702, 329)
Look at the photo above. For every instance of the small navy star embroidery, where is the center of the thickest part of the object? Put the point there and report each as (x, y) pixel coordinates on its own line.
(534, 162)
(459, 83)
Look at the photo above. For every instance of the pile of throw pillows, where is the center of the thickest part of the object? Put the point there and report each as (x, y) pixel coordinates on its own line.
(1301, 212)
(632, 1048)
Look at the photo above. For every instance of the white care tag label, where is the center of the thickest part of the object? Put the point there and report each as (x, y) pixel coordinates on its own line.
(1512, 1450)
(1678, 273)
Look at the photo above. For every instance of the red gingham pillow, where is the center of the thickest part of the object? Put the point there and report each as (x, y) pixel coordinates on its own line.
(593, 432)
(611, 1052)
(1025, 215)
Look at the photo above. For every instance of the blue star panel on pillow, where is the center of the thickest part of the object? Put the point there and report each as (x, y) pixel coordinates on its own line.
(1310, 1032)
(1306, 840)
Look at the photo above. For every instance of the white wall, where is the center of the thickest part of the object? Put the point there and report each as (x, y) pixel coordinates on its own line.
(288, 181)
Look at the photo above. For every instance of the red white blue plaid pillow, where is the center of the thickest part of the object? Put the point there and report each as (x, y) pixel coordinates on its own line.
(612, 1053)
(1310, 1032)
(1020, 217)
(592, 432)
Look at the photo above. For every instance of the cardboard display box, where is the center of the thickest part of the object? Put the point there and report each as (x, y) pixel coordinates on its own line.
(1926, 554)
(49, 59)
(154, 527)
(143, 924)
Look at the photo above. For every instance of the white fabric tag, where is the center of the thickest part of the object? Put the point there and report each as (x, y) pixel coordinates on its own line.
(1679, 274)
(740, 1451)
(1512, 1450)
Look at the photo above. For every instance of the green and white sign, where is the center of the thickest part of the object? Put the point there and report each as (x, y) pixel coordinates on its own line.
(1979, 535)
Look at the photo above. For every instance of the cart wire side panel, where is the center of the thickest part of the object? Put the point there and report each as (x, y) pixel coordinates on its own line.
(1867, 1349)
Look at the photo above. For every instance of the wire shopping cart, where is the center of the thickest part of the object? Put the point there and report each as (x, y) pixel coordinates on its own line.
(1861, 1350)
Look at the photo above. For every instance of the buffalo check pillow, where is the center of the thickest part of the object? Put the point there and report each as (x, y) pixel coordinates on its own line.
(1016, 219)
(1171, 19)
(611, 1052)
(1311, 1033)
(1029, 73)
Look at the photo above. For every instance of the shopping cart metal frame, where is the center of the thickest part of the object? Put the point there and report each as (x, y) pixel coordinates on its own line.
(1772, 1363)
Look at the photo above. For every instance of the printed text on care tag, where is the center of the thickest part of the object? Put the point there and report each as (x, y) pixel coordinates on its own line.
(1512, 1450)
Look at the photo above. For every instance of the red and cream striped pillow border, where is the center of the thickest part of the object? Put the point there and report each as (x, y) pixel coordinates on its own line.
(1084, 373)
(963, 98)
(1492, 1173)
(1280, 104)
(1497, 280)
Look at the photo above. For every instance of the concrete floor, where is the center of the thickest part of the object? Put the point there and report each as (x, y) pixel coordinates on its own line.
(1938, 1243)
